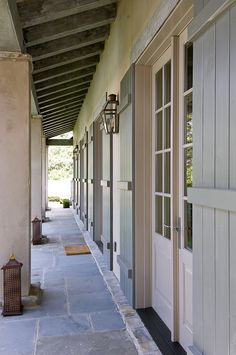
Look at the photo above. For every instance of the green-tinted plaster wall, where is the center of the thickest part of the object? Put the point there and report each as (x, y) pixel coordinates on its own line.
(132, 18)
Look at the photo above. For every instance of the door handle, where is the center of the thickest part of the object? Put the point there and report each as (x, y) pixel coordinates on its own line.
(175, 228)
(166, 226)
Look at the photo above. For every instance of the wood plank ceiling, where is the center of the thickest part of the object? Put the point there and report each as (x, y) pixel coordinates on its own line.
(65, 39)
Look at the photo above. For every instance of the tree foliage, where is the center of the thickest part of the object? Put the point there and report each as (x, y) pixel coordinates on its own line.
(60, 163)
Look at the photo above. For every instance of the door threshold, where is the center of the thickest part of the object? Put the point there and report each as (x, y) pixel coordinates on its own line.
(160, 332)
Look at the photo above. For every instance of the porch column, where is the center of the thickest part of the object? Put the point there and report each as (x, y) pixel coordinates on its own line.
(36, 167)
(44, 177)
(15, 162)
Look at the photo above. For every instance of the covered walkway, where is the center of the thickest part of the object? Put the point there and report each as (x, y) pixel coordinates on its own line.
(77, 314)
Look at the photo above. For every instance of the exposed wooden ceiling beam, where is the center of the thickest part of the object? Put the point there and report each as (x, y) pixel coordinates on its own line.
(71, 119)
(64, 92)
(59, 130)
(65, 111)
(62, 101)
(68, 57)
(66, 69)
(59, 105)
(62, 107)
(62, 87)
(60, 142)
(69, 43)
(63, 95)
(67, 26)
(61, 115)
(52, 135)
(65, 39)
(58, 122)
(35, 12)
(65, 79)
(56, 128)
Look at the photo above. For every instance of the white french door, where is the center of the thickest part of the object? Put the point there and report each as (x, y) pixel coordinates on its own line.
(172, 174)
(162, 287)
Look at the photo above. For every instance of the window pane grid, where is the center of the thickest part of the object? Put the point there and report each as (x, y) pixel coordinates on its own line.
(163, 150)
(187, 146)
(167, 82)
(187, 92)
(162, 194)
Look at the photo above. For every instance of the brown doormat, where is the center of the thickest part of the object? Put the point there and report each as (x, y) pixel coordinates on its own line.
(76, 249)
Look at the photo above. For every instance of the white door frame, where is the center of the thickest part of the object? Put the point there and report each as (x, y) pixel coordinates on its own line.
(180, 257)
(165, 38)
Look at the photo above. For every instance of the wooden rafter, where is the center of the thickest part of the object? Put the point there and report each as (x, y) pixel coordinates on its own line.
(65, 39)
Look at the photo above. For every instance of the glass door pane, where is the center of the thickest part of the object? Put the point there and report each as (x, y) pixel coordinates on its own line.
(162, 126)
(187, 143)
(159, 89)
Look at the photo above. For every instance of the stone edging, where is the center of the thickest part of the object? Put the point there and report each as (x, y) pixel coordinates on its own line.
(135, 327)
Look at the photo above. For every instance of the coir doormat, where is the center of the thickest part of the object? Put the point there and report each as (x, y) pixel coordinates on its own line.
(76, 249)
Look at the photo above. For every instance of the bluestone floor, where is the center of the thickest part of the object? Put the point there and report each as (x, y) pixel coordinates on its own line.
(77, 315)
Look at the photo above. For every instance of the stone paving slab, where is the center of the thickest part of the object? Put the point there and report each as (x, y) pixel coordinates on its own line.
(62, 326)
(134, 325)
(107, 319)
(78, 314)
(17, 338)
(102, 343)
(91, 302)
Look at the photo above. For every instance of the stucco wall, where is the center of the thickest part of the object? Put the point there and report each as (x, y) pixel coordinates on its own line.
(36, 167)
(132, 18)
(15, 163)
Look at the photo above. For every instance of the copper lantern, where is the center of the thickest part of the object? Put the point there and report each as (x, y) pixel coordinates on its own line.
(110, 117)
(12, 288)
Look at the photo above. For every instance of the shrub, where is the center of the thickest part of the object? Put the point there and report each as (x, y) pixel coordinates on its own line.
(66, 203)
(54, 198)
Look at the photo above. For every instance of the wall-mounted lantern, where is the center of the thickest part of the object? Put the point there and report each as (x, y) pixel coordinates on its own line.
(12, 288)
(110, 117)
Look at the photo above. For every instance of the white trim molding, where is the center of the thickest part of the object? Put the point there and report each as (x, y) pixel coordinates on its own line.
(157, 20)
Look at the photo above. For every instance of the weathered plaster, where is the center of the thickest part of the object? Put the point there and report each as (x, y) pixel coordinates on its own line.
(44, 176)
(11, 38)
(132, 18)
(15, 163)
(36, 167)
